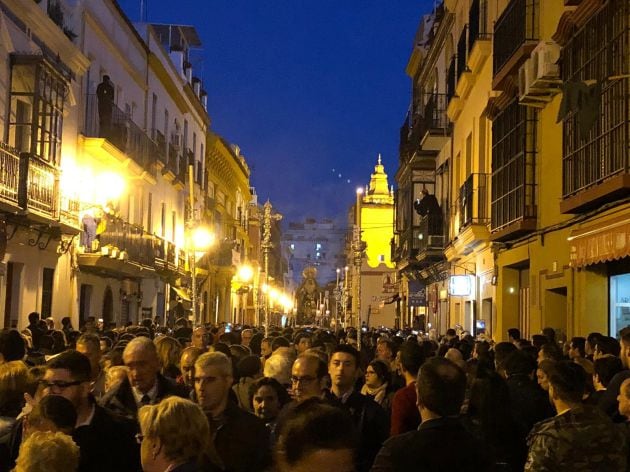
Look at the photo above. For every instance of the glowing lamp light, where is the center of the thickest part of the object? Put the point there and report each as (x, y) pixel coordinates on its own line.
(202, 238)
(245, 273)
(460, 285)
(111, 185)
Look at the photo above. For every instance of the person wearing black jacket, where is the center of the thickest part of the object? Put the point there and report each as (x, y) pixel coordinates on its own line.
(144, 385)
(441, 442)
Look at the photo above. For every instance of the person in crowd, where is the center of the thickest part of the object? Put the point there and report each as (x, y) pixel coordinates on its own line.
(240, 438)
(303, 342)
(115, 375)
(45, 451)
(308, 377)
(441, 442)
(265, 349)
(36, 331)
(13, 383)
(369, 418)
(144, 384)
(377, 384)
(589, 346)
(169, 351)
(501, 352)
(405, 416)
(246, 337)
(12, 346)
(608, 402)
(577, 348)
(549, 351)
(528, 402)
(577, 438)
(542, 373)
(52, 413)
(90, 346)
(98, 431)
(514, 335)
(187, 366)
(167, 446)
(605, 368)
(248, 369)
(267, 398)
(66, 326)
(386, 351)
(316, 436)
(200, 338)
(624, 400)
(606, 346)
(278, 366)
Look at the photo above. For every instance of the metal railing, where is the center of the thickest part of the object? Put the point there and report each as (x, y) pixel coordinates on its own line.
(477, 23)
(462, 52)
(451, 79)
(473, 201)
(434, 113)
(9, 173)
(161, 147)
(430, 233)
(517, 24)
(120, 130)
(39, 186)
(132, 239)
(599, 50)
(513, 165)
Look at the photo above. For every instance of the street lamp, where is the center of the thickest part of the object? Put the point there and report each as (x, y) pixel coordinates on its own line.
(201, 239)
(244, 276)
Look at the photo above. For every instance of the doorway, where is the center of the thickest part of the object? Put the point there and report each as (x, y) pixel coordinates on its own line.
(108, 307)
(555, 311)
(85, 301)
(12, 304)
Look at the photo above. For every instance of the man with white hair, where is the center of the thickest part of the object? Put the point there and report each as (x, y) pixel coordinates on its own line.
(144, 385)
(240, 438)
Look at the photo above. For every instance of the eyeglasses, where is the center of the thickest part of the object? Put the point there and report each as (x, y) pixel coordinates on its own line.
(139, 438)
(60, 384)
(303, 380)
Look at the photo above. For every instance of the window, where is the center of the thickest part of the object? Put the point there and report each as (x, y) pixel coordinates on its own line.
(38, 93)
(381, 258)
(47, 291)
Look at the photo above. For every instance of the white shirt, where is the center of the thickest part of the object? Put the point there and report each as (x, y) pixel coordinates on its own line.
(152, 394)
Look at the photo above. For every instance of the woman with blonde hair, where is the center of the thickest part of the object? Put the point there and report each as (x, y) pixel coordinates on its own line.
(45, 451)
(169, 351)
(175, 437)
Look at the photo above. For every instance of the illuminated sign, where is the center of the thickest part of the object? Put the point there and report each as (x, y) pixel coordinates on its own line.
(460, 285)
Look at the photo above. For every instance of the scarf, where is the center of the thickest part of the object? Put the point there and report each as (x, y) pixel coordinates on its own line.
(378, 393)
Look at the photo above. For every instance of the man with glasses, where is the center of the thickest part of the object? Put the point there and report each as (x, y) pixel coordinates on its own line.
(308, 377)
(240, 438)
(106, 440)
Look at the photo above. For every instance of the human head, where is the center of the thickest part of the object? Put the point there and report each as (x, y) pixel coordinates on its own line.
(90, 346)
(66, 322)
(187, 364)
(550, 334)
(591, 340)
(267, 397)
(385, 350)
(567, 383)
(440, 387)
(303, 342)
(47, 452)
(200, 338)
(316, 436)
(624, 399)
(501, 352)
(605, 368)
(514, 334)
(606, 346)
(168, 351)
(213, 381)
(246, 337)
(308, 377)
(51, 413)
(13, 382)
(12, 345)
(343, 367)
(278, 366)
(576, 347)
(265, 347)
(165, 440)
(518, 363)
(377, 373)
(249, 366)
(115, 375)
(279, 341)
(140, 355)
(549, 351)
(33, 317)
(543, 371)
(68, 374)
(411, 357)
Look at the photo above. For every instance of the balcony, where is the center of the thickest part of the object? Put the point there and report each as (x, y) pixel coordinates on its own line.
(596, 161)
(435, 128)
(160, 147)
(513, 178)
(9, 178)
(479, 39)
(129, 140)
(165, 256)
(121, 250)
(453, 101)
(171, 169)
(516, 34)
(473, 214)
(430, 239)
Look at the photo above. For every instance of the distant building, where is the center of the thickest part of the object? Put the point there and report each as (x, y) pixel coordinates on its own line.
(318, 244)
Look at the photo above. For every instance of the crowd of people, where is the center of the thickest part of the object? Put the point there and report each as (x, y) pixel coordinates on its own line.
(228, 398)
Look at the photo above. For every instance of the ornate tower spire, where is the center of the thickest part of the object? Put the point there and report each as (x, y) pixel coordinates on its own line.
(378, 190)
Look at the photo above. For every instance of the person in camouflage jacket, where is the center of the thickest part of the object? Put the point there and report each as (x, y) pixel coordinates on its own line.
(579, 438)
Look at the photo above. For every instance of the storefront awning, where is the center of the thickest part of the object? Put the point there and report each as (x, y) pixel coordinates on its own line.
(181, 293)
(600, 242)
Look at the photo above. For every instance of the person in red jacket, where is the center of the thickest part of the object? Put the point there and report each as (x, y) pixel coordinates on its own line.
(405, 414)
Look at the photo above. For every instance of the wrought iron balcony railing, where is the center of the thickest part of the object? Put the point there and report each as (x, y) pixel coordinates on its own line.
(161, 148)
(477, 23)
(451, 79)
(434, 113)
(39, 186)
(10, 175)
(473, 201)
(462, 52)
(430, 233)
(518, 24)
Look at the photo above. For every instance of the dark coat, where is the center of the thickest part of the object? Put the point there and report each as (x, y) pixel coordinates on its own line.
(440, 445)
(120, 398)
(241, 440)
(108, 443)
(529, 403)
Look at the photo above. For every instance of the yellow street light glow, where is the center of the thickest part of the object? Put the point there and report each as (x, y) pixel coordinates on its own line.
(264, 288)
(359, 190)
(273, 293)
(245, 273)
(202, 238)
(111, 185)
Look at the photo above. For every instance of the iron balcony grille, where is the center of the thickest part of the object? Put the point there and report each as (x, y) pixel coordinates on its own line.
(451, 79)
(10, 175)
(473, 200)
(513, 165)
(434, 113)
(517, 24)
(430, 233)
(601, 49)
(477, 22)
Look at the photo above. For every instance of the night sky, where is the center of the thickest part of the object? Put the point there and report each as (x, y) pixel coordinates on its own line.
(303, 87)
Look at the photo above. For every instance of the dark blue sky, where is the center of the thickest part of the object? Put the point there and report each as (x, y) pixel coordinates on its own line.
(304, 87)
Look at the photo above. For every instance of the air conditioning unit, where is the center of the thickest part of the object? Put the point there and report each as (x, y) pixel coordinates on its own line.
(533, 92)
(545, 59)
